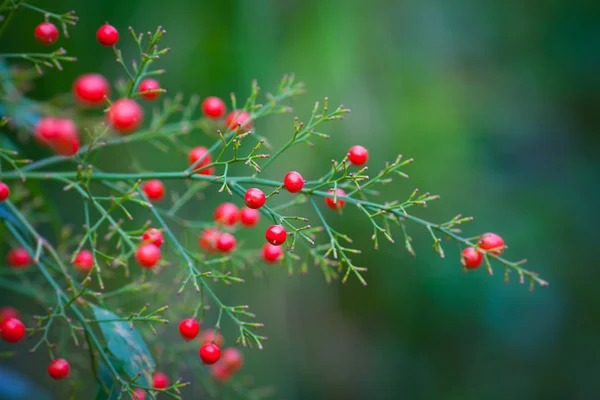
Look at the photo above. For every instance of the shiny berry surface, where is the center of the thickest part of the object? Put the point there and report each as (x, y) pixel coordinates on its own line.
(59, 369)
(91, 90)
(236, 118)
(46, 33)
(147, 85)
(254, 198)
(492, 243)
(249, 217)
(12, 330)
(154, 190)
(4, 191)
(107, 35)
(189, 328)
(147, 255)
(226, 214)
(226, 242)
(213, 107)
(84, 261)
(198, 153)
(471, 258)
(125, 116)
(293, 182)
(210, 353)
(338, 204)
(18, 258)
(271, 253)
(358, 155)
(154, 236)
(160, 381)
(276, 235)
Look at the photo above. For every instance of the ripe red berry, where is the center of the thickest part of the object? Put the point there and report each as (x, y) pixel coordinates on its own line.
(189, 328)
(12, 330)
(9, 312)
(238, 117)
(226, 214)
(220, 373)
(232, 358)
(208, 239)
(276, 235)
(160, 381)
(213, 107)
(254, 198)
(59, 133)
(210, 353)
(249, 217)
(45, 130)
(147, 85)
(271, 254)
(492, 243)
(153, 236)
(339, 203)
(209, 336)
(196, 154)
(147, 255)
(91, 89)
(4, 191)
(154, 189)
(84, 261)
(139, 394)
(293, 182)
(107, 35)
(471, 258)
(59, 369)
(46, 33)
(18, 258)
(226, 242)
(358, 155)
(125, 116)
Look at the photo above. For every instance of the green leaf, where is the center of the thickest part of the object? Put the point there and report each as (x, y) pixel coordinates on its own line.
(126, 345)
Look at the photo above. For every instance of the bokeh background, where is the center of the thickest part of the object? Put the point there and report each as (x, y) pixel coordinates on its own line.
(499, 104)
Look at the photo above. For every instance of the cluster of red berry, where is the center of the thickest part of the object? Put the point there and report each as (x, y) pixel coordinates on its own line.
(472, 257)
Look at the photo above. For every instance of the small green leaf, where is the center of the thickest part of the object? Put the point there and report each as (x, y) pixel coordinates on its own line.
(127, 345)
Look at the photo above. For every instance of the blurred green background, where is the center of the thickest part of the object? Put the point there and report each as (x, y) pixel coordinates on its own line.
(498, 102)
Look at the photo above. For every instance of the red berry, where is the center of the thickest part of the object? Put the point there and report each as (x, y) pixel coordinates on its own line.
(226, 214)
(147, 85)
(249, 217)
(154, 189)
(339, 203)
(160, 381)
(492, 243)
(208, 239)
(471, 258)
(358, 155)
(276, 235)
(91, 89)
(153, 236)
(4, 191)
(18, 258)
(125, 116)
(213, 107)
(84, 261)
(238, 117)
(46, 33)
(139, 394)
(220, 372)
(147, 255)
(232, 358)
(59, 369)
(196, 154)
(271, 254)
(226, 242)
(210, 353)
(45, 130)
(293, 182)
(209, 336)
(254, 198)
(59, 133)
(9, 312)
(189, 328)
(107, 35)
(12, 330)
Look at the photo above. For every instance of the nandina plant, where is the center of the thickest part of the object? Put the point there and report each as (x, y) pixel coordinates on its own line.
(102, 290)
